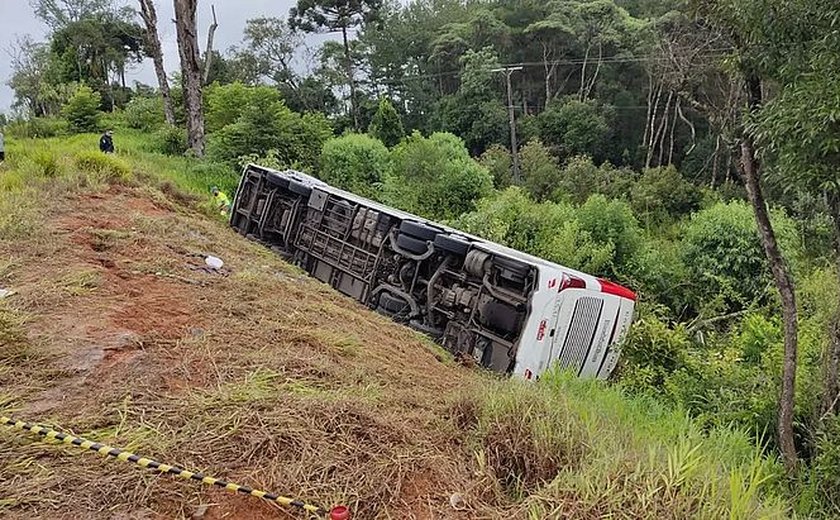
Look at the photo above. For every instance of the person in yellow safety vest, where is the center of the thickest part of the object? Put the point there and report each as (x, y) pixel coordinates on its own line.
(222, 201)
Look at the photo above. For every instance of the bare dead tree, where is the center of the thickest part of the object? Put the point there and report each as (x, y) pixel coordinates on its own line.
(185, 25)
(208, 55)
(149, 15)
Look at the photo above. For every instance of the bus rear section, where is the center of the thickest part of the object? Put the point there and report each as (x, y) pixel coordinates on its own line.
(476, 298)
(578, 325)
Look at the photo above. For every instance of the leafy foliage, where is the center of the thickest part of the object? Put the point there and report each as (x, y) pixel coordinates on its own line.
(435, 177)
(82, 110)
(386, 124)
(144, 113)
(355, 162)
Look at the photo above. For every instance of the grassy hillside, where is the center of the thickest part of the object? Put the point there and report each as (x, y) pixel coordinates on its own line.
(265, 377)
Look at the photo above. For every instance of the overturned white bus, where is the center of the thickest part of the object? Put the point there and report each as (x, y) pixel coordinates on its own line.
(513, 312)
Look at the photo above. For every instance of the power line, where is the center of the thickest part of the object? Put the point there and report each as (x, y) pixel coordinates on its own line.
(617, 59)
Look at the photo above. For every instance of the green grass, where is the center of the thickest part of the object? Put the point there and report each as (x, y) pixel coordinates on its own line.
(565, 439)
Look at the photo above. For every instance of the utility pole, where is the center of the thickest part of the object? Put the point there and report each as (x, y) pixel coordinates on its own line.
(514, 151)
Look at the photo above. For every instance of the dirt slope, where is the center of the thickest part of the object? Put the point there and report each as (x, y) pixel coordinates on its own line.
(258, 375)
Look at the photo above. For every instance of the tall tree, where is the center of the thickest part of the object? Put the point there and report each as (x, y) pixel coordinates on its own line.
(60, 13)
(208, 54)
(149, 15)
(752, 35)
(335, 16)
(185, 25)
(272, 45)
(798, 132)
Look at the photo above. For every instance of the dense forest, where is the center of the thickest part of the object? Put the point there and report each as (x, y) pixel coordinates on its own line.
(686, 148)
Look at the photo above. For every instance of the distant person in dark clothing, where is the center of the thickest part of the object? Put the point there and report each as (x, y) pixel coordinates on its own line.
(2, 148)
(106, 142)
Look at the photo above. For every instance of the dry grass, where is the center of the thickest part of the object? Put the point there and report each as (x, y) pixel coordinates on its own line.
(265, 377)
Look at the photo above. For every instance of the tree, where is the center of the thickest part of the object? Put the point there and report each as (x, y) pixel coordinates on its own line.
(435, 177)
(474, 112)
(386, 124)
(751, 33)
(332, 16)
(97, 51)
(58, 14)
(540, 170)
(355, 162)
(185, 25)
(149, 15)
(273, 44)
(82, 110)
(797, 131)
(574, 127)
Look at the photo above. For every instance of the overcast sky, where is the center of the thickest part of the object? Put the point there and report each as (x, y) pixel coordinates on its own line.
(17, 19)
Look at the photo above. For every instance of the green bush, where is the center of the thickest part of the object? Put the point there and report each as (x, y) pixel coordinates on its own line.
(826, 467)
(386, 124)
(355, 162)
(662, 194)
(170, 140)
(498, 161)
(540, 170)
(435, 177)
(144, 113)
(227, 103)
(268, 124)
(38, 127)
(82, 110)
(600, 237)
(576, 127)
(581, 179)
(46, 161)
(102, 167)
(727, 265)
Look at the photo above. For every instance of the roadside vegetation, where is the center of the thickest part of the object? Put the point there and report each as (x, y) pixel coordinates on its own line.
(687, 150)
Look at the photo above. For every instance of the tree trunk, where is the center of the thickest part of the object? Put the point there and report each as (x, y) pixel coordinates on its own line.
(208, 55)
(350, 79)
(583, 72)
(831, 362)
(191, 72)
(149, 15)
(781, 275)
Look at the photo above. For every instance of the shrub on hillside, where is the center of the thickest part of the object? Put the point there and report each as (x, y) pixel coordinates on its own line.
(662, 194)
(102, 167)
(144, 113)
(227, 103)
(600, 237)
(727, 265)
(581, 179)
(435, 177)
(270, 125)
(386, 124)
(170, 140)
(355, 162)
(82, 110)
(499, 163)
(540, 170)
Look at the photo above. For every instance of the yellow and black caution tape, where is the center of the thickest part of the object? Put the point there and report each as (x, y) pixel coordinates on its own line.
(127, 456)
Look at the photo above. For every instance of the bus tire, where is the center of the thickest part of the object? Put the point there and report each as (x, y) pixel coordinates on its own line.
(276, 180)
(452, 244)
(411, 244)
(299, 188)
(418, 230)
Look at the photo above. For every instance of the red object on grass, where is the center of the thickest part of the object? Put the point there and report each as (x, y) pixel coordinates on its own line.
(340, 513)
